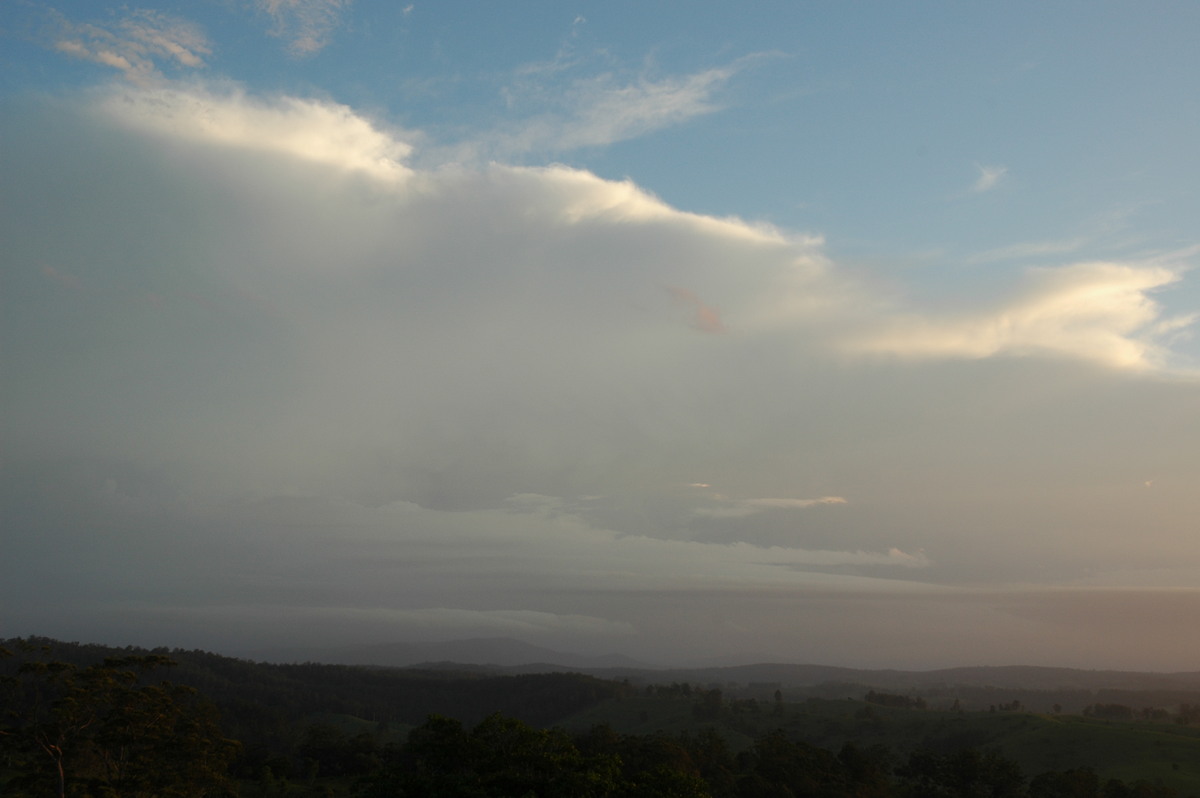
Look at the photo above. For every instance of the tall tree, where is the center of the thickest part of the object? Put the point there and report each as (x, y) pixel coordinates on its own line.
(100, 730)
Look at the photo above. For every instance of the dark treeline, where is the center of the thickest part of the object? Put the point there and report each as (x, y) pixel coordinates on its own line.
(894, 700)
(265, 702)
(502, 757)
(96, 721)
(975, 697)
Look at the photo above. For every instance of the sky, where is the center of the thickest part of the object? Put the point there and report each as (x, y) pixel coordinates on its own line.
(857, 334)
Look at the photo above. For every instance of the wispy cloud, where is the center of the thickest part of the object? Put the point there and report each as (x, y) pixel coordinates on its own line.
(599, 110)
(989, 178)
(379, 620)
(307, 24)
(1032, 249)
(447, 621)
(136, 45)
(740, 508)
(606, 111)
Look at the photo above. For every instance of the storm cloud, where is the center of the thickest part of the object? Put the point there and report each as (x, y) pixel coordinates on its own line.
(264, 376)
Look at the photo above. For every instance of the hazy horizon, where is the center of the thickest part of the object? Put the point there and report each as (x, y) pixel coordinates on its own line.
(850, 335)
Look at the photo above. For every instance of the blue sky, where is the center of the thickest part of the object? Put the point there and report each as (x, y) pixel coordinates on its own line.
(861, 333)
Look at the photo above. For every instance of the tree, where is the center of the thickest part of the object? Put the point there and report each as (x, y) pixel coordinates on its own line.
(777, 765)
(963, 774)
(499, 758)
(99, 730)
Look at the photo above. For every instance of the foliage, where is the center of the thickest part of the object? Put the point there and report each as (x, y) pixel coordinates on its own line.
(894, 700)
(500, 757)
(116, 729)
(101, 731)
(966, 773)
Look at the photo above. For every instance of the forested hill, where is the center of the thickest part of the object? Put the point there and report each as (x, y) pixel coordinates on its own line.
(544, 692)
(263, 695)
(1040, 688)
(1025, 677)
(100, 720)
(505, 655)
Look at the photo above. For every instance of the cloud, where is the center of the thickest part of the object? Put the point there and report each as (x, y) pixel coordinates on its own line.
(599, 110)
(135, 44)
(320, 132)
(261, 359)
(989, 178)
(1034, 249)
(705, 319)
(536, 543)
(603, 106)
(334, 566)
(1096, 311)
(454, 622)
(545, 284)
(606, 112)
(739, 508)
(308, 24)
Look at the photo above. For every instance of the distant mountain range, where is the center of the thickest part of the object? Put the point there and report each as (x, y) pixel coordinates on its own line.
(492, 652)
(1018, 677)
(509, 656)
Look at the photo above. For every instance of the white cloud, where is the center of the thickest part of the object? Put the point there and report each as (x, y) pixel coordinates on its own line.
(308, 24)
(321, 132)
(989, 178)
(547, 285)
(1098, 311)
